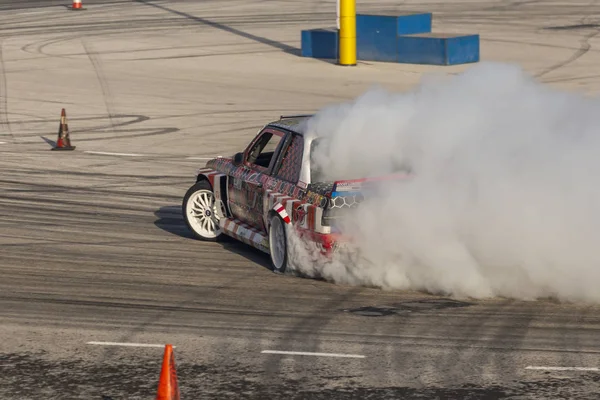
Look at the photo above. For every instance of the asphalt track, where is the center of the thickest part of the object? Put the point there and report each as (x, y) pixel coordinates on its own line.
(93, 247)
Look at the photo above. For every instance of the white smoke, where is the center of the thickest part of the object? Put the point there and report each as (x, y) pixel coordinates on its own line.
(504, 199)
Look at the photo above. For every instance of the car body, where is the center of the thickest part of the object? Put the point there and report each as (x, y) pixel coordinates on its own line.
(258, 194)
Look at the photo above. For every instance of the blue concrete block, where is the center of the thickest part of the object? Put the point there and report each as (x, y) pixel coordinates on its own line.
(414, 23)
(438, 49)
(376, 35)
(320, 43)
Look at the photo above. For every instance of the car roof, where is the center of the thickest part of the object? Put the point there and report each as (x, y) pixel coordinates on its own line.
(292, 123)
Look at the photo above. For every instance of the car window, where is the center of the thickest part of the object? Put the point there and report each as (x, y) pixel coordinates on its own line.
(263, 150)
(292, 161)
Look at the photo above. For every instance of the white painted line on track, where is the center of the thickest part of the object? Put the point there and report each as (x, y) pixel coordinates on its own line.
(2, 142)
(563, 368)
(127, 344)
(202, 158)
(104, 153)
(302, 353)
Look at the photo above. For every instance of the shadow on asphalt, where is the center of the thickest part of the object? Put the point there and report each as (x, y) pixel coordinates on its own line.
(170, 220)
(229, 29)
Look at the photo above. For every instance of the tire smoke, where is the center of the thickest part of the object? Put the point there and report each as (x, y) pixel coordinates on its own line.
(504, 197)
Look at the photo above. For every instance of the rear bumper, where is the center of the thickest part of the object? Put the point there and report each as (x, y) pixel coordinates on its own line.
(328, 243)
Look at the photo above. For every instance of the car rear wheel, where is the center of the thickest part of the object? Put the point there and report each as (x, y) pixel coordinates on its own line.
(278, 246)
(200, 212)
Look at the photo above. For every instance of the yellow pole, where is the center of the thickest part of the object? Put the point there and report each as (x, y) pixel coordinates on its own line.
(347, 32)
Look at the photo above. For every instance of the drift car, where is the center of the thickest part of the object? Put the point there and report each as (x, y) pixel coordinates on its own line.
(252, 196)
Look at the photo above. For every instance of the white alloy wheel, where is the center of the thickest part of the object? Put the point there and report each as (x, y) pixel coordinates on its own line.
(201, 212)
(278, 244)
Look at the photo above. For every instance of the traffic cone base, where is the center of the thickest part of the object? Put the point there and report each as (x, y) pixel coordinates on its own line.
(64, 148)
(168, 388)
(63, 142)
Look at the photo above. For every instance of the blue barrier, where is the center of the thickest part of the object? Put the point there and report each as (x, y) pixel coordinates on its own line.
(403, 38)
(438, 49)
(376, 35)
(320, 43)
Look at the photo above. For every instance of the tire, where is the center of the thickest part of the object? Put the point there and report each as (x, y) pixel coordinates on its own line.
(199, 212)
(278, 245)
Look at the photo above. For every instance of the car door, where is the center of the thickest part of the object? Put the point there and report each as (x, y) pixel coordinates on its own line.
(246, 187)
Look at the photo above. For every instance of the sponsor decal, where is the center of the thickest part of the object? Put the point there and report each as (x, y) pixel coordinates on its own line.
(347, 186)
(300, 215)
(237, 183)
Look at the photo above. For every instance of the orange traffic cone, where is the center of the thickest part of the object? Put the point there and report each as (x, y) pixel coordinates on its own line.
(77, 5)
(167, 385)
(64, 141)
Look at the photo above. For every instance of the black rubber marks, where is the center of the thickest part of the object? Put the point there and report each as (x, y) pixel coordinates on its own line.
(407, 307)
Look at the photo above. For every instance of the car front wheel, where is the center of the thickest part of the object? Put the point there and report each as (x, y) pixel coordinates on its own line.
(199, 211)
(278, 246)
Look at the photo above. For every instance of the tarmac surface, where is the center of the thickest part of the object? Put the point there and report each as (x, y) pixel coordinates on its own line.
(93, 248)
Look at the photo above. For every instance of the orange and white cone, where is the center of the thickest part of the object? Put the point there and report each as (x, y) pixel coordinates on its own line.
(64, 139)
(168, 388)
(77, 5)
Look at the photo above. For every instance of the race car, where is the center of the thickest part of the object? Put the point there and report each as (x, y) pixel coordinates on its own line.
(270, 186)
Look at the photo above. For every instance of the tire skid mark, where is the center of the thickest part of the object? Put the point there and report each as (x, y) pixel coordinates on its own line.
(39, 46)
(536, 44)
(572, 79)
(50, 242)
(99, 175)
(90, 190)
(129, 27)
(128, 51)
(4, 121)
(106, 93)
(145, 132)
(584, 47)
(130, 120)
(231, 53)
(24, 6)
(148, 306)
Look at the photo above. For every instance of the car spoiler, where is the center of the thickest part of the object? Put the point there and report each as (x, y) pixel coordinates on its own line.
(359, 186)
